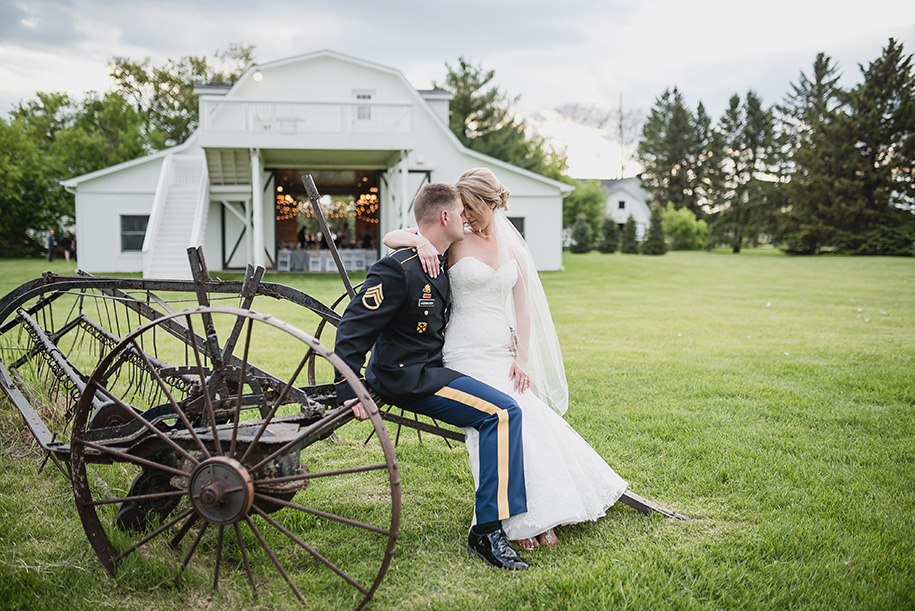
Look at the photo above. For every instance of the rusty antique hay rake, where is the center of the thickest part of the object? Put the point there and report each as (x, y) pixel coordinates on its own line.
(180, 447)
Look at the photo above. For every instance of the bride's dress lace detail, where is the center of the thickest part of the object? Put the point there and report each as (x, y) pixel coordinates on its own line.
(567, 481)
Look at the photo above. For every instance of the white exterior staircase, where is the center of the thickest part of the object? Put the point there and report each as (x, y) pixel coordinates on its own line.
(178, 217)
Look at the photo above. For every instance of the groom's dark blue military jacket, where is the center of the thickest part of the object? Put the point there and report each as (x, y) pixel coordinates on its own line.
(400, 314)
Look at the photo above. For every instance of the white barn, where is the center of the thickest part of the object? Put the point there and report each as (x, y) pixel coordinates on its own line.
(358, 127)
(625, 197)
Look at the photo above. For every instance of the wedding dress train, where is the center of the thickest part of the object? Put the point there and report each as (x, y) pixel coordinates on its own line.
(567, 481)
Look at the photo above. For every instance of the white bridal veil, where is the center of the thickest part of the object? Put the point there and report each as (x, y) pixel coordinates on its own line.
(544, 362)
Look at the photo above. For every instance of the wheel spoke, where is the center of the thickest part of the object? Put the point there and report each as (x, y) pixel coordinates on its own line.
(139, 497)
(304, 476)
(168, 395)
(150, 427)
(206, 391)
(190, 552)
(273, 557)
(154, 534)
(130, 457)
(310, 550)
(176, 540)
(328, 422)
(276, 405)
(244, 557)
(323, 514)
(222, 530)
(241, 386)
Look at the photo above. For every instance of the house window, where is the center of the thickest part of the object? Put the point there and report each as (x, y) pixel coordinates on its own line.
(518, 222)
(363, 113)
(622, 205)
(133, 232)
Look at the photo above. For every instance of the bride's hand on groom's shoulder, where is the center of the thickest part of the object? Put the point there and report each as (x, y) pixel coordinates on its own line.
(428, 256)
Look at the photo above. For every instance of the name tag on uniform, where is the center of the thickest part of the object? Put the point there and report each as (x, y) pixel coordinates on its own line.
(426, 303)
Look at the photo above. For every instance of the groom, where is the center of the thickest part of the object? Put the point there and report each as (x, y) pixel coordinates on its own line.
(401, 314)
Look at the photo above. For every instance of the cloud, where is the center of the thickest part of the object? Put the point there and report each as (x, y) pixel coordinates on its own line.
(38, 25)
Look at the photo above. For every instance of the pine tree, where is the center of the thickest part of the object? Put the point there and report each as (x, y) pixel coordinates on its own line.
(629, 243)
(817, 155)
(654, 243)
(610, 236)
(582, 238)
(877, 217)
(747, 137)
(672, 151)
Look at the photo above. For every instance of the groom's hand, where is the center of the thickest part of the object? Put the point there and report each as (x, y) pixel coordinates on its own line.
(359, 410)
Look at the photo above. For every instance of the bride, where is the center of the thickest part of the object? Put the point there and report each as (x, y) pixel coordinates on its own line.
(501, 333)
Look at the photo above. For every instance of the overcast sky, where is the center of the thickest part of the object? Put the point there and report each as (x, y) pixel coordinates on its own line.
(589, 52)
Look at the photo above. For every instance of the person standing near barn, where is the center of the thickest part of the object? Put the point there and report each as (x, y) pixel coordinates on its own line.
(66, 243)
(52, 243)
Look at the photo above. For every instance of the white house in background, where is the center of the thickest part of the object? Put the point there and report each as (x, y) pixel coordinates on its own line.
(359, 128)
(625, 197)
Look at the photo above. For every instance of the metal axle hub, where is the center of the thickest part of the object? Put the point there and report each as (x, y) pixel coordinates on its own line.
(221, 490)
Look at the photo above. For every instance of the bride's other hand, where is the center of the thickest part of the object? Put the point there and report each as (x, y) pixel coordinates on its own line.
(428, 256)
(519, 378)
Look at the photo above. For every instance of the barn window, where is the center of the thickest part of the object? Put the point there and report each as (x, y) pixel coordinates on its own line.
(363, 113)
(518, 222)
(133, 231)
(622, 204)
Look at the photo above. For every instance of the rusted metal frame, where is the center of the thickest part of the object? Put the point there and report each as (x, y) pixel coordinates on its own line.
(201, 278)
(54, 337)
(253, 277)
(314, 196)
(36, 424)
(61, 367)
(179, 331)
(42, 302)
(332, 421)
(422, 426)
(643, 505)
(133, 355)
(36, 288)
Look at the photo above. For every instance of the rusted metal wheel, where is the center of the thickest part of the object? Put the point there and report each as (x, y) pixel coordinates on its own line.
(212, 461)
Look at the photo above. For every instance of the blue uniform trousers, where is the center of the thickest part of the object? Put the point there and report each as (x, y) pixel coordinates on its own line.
(467, 402)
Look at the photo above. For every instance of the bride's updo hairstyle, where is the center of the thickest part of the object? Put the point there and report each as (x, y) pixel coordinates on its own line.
(480, 188)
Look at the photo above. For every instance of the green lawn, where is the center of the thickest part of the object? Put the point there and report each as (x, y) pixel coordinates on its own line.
(771, 398)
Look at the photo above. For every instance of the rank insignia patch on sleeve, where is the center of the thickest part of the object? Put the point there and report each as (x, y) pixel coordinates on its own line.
(373, 297)
(420, 327)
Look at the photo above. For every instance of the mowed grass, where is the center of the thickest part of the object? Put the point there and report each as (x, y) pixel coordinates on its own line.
(771, 398)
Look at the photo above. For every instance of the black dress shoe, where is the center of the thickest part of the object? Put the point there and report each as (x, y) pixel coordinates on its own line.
(495, 550)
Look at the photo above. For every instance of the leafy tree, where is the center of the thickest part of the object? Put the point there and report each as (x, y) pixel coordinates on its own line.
(582, 238)
(673, 149)
(164, 95)
(34, 199)
(685, 231)
(481, 117)
(629, 242)
(654, 242)
(588, 199)
(610, 236)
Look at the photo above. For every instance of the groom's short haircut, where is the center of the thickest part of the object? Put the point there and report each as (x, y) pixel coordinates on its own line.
(431, 199)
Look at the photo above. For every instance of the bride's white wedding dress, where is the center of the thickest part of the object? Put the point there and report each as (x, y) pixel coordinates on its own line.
(567, 481)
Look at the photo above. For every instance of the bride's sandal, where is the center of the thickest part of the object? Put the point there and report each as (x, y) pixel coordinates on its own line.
(528, 544)
(548, 538)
